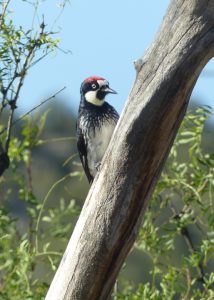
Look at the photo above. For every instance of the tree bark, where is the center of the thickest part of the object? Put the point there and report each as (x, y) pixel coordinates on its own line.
(113, 211)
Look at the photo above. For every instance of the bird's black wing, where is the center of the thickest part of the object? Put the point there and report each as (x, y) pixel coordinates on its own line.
(82, 149)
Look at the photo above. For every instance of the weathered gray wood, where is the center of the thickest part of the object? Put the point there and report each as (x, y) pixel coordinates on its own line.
(113, 210)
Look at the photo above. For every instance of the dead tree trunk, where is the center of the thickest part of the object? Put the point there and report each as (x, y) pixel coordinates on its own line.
(112, 213)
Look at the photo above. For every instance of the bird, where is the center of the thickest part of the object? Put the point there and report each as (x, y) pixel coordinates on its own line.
(96, 122)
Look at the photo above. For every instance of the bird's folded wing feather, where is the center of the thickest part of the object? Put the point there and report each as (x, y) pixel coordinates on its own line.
(82, 148)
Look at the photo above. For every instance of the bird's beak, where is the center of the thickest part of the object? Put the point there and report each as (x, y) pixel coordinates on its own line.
(108, 90)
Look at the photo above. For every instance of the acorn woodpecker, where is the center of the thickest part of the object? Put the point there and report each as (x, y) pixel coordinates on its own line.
(95, 124)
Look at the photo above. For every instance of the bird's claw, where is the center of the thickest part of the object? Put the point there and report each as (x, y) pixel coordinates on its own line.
(98, 166)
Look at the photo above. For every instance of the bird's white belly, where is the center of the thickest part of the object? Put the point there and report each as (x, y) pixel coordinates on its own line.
(97, 144)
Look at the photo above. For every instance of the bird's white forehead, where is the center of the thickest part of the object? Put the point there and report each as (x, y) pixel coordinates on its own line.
(102, 82)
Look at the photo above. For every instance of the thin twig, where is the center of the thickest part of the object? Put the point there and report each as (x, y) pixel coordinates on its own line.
(9, 129)
(2, 15)
(63, 4)
(39, 59)
(189, 242)
(187, 237)
(59, 139)
(15, 75)
(34, 108)
(48, 253)
(42, 209)
(13, 102)
(37, 106)
(69, 159)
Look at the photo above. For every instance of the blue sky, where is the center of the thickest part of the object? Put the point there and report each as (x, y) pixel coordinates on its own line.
(104, 38)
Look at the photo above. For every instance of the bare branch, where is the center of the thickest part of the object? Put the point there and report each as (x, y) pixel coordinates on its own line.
(34, 108)
(4, 158)
(37, 106)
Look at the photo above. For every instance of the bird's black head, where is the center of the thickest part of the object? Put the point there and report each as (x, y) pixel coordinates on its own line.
(94, 89)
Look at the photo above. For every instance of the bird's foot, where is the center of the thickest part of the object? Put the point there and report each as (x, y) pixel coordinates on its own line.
(98, 166)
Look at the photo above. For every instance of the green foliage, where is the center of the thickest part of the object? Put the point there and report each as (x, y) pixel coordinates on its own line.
(35, 247)
(32, 235)
(177, 234)
(178, 229)
(20, 49)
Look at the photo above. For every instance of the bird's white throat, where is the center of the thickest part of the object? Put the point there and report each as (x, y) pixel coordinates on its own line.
(91, 97)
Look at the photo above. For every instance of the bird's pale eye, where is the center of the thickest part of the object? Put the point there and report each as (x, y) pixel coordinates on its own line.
(93, 86)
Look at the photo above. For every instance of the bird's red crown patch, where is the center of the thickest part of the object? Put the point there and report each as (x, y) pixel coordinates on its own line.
(94, 78)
